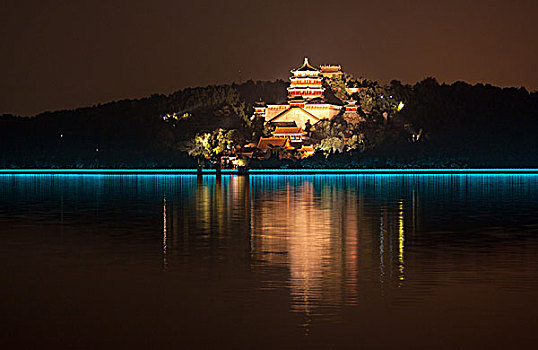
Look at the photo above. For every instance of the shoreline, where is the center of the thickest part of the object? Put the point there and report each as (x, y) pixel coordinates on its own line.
(213, 172)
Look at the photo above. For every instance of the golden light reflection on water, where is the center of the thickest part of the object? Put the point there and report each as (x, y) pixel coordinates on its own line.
(240, 252)
(289, 230)
(327, 239)
(401, 241)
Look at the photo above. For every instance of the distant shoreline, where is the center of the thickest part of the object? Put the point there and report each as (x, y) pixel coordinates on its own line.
(213, 172)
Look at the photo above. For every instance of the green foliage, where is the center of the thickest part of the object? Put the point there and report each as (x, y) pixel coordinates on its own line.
(330, 145)
(194, 98)
(335, 144)
(376, 100)
(240, 110)
(321, 129)
(330, 128)
(338, 86)
(175, 117)
(440, 125)
(356, 142)
(339, 83)
(283, 153)
(212, 145)
(267, 91)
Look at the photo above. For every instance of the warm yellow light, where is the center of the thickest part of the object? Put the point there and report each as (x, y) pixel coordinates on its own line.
(400, 106)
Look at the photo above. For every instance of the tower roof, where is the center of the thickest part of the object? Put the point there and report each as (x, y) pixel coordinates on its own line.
(330, 68)
(288, 130)
(272, 142)
(306, 67)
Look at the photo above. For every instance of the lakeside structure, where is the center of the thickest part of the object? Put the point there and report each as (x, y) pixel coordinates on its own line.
(306, 102)
(306, 106)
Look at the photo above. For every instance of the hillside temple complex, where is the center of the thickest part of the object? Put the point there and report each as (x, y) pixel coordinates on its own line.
(306, 105)
(306, 102)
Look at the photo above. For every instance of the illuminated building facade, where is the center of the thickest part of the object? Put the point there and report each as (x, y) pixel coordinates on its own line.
(294, 134)
(305, 83)
(351, 114)
(328, 71)
(307, 151)
(306, 102)
(267, 143)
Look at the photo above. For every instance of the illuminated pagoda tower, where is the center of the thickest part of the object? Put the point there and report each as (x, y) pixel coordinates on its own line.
(306, 103)
(305, 83)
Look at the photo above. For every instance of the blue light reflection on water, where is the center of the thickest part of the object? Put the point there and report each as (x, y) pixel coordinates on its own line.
(477, 188)
(277, 171)
(333, 243)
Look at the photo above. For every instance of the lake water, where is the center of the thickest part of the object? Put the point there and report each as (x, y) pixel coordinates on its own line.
(391, 261)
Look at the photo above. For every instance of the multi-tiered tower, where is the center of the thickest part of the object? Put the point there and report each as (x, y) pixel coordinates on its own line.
(305, 83)
(306, 104)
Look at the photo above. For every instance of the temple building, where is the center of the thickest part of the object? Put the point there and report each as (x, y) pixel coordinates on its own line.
(307, 151)
(351, 113)
(294, 134)
(305, 83)
(268, 143)
(259, 109)
(328, 71)
(306, 102)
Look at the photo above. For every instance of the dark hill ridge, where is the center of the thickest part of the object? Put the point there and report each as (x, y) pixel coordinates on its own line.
(479, 125)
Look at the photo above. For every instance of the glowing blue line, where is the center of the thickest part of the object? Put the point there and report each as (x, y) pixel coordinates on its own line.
(405, 170)
(114, 171)
(432, 171)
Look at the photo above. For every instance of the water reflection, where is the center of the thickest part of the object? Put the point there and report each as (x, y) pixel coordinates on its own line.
(326, 237)
(330, 237)
(290, 229)
(165, 243)
(401, 241)
(329, 242)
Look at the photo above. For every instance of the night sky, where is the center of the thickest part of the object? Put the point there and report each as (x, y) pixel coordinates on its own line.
(64, 54)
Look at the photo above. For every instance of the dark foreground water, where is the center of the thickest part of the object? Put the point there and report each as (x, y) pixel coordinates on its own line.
(284, 261)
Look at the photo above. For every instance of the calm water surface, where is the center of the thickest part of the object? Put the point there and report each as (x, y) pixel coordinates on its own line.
(386, 261)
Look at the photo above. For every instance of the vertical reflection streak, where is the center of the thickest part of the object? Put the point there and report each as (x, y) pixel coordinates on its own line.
(414, 207)
(311, 228)
(401, 241)
(381, 250)
(165, 261)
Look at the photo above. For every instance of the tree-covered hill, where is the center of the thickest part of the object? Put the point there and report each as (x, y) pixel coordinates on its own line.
(488, 124)
(475, 125)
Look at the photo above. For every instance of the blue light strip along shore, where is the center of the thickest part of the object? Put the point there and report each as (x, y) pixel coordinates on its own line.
(264, 171)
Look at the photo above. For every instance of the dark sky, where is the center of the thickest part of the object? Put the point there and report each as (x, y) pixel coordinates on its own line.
(63, 54)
